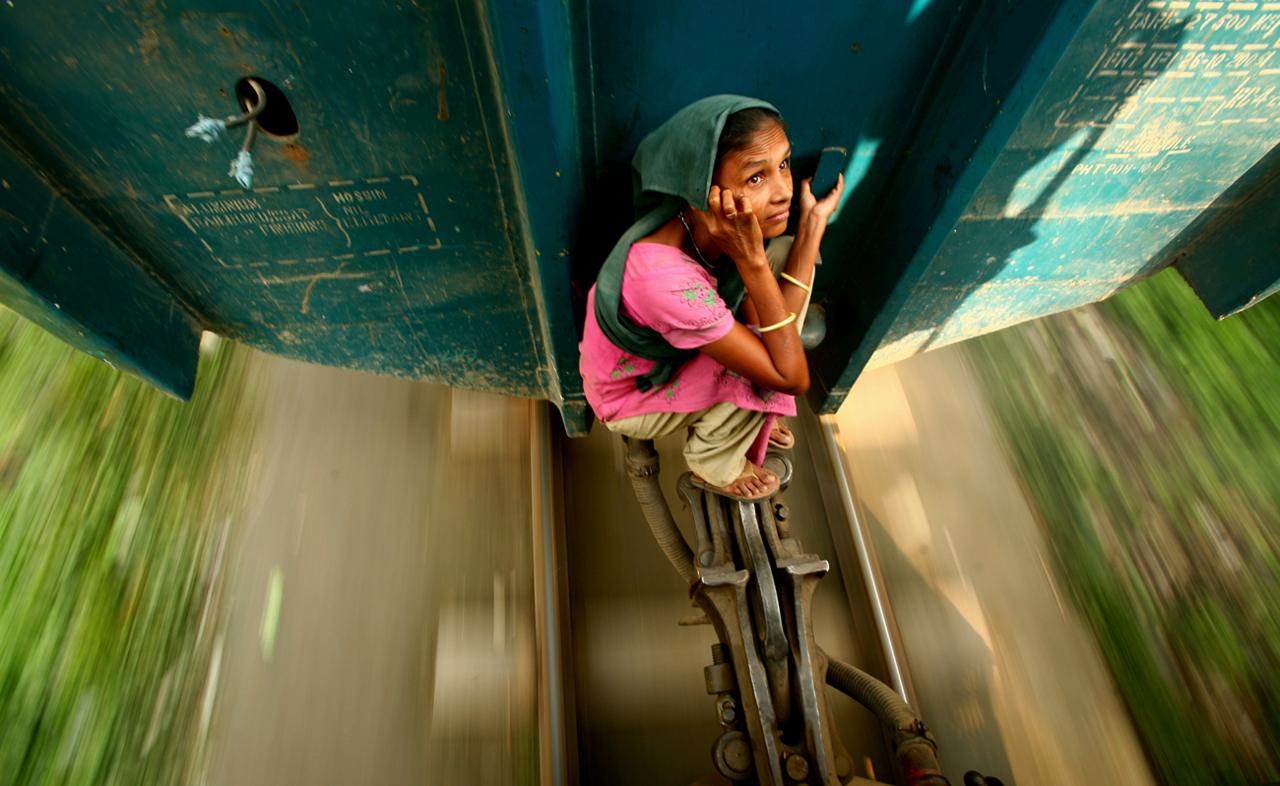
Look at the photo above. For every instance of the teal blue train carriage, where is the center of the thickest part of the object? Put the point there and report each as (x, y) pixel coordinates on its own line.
(426, 189)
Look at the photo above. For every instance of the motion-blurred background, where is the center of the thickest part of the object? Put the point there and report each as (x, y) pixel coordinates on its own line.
(308, 575)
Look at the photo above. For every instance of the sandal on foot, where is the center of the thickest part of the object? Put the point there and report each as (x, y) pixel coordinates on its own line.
(771, 483)
(781, 437)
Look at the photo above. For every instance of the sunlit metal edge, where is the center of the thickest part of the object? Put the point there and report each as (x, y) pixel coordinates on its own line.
(555, 717)
(868, 566)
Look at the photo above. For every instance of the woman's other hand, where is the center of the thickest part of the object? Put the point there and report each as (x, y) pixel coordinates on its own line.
(817, 212)
(734, 227)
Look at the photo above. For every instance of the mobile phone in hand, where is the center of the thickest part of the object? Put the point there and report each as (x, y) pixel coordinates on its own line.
(830, 164)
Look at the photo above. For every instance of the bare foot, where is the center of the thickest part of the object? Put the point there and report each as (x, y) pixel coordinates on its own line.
(754, 483)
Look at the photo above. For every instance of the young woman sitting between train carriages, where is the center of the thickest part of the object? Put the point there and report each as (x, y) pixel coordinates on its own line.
(662, 350)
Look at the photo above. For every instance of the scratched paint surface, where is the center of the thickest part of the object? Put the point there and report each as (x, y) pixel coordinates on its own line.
(336, 221)
(1155, 110)
(346, 241)
(460, 169)
(381, 236)
(60, 272)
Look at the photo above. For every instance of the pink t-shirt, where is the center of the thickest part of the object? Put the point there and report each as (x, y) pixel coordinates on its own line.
(664, 289)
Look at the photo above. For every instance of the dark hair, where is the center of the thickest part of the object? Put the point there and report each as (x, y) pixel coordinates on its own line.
(741, 126)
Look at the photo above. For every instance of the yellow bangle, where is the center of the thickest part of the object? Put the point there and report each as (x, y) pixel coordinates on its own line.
(797, 282)
(777, 325)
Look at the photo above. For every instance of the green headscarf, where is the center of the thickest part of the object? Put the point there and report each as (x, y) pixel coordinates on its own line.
(672, 168)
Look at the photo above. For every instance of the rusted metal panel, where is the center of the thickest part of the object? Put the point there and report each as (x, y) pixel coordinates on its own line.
(65, 274)
(384, 235)
(458, 171)
(1232, 259)
(1123, 123)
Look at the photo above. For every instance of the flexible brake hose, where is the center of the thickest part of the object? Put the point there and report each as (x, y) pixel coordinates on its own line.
(642, 468)
(915, 750)
(871, 693)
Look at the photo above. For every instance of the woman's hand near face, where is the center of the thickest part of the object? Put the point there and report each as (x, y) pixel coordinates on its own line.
(734, 227)
(817, 212)
(774, 359)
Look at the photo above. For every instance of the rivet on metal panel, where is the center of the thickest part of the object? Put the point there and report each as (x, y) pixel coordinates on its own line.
(732, 756)
(798, 767)
(727, 709)
(844, 766)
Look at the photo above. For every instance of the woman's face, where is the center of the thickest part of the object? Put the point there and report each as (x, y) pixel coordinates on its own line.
(760, 173)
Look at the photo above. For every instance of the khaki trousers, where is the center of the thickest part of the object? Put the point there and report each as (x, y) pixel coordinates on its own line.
(719, 437)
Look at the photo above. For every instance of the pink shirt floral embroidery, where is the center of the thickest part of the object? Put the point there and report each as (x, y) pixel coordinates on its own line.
(664, 289)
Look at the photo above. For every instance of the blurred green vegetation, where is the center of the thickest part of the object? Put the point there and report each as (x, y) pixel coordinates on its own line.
(114, 506)
(1148, 436)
